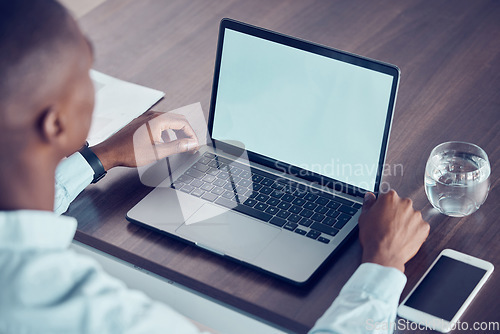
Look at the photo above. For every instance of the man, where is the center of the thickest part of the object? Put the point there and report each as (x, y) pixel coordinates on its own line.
(46, 103)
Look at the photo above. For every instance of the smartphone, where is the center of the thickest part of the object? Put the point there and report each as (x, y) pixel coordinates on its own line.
(446, 289)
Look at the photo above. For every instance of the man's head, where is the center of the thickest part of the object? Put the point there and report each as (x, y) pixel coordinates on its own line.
(46, 95)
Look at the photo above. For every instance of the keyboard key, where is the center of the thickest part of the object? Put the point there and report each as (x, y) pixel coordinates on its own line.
(257, 178)
(209, 155)
(204, 160)
(313, 234)
(244, 209)
(294, 218)
(300, 231)
(343, 201)
(277, 186)
(305, 222)
(201, 167)
(213, 164)
(346, 209)
(240, 189)
(329, 221)
(321, 209)
(218, 191)
(224, 160)
(324, 229)
(272, 210)
(251, 194)
(266, 190)
(262, 198)
(266, 182)
(209, 197)
(197, 183)
(228, 186)
(309, 206)
(295, 209)
(245, 183)
(256, 186)
(246, 175)
(306, 213)
(341, 220)
(332, 213)
(321, 201)
(228, 194)
(235, 170)
(310, 197)
(223, 167)
(323, 240)
(287, 198)
(276, 194)
(277, 221)
(283, 214)
(187, 188)
(207, 187)
(185, 178)
(177, 185)
(197, 192)
(333, 205)
(299, 193)
(250, 202)
(317, 217)
(299, 201)
(209, 178)
(223, 175)
(284, 205)
(195, 173)
(273, 201)
(219, 183)
(235, 179)
(357, 206)
(290, 226)
(261, 206)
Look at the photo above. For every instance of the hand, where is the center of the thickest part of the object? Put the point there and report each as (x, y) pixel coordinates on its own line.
(145, 140)
(390, 230)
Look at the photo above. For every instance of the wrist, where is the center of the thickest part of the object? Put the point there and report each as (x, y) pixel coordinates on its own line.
(384, 260)
(105, 156)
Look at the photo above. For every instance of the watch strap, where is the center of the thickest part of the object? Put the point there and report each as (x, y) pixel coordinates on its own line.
(94, 162)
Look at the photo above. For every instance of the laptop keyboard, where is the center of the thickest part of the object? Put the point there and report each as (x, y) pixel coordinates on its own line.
(270, 198)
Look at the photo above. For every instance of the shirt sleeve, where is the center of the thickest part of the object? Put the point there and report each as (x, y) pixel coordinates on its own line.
(72, 176)
(366, 304)
(64, 292)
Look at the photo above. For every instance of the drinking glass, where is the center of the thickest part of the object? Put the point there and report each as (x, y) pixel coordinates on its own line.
(457, 178)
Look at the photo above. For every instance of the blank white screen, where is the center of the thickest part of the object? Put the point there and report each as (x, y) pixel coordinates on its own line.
(304, 109)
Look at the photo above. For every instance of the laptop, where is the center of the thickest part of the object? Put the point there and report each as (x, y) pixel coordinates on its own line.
(298, 134)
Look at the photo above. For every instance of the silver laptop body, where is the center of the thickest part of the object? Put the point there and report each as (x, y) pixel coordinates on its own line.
(299, 134)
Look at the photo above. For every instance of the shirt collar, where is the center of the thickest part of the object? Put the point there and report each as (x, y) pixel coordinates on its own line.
(30, 229)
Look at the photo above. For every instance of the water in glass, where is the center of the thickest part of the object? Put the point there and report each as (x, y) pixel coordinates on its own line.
(457, 179)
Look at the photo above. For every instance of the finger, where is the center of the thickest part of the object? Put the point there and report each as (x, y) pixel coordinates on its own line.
(368, 201)
(176, 146)
(176, 124)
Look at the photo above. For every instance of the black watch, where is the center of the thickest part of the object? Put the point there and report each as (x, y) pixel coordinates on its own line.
(93, 161)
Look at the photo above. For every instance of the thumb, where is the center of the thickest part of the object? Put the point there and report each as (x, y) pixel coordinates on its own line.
(368, 201)
(176, 146)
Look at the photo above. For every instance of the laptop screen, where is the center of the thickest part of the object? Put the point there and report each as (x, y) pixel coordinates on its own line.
(305, 109)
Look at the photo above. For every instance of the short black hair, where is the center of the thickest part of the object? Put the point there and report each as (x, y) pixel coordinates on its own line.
(32, 34)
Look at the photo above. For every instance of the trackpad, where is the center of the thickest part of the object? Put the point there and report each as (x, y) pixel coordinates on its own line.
(228, 232)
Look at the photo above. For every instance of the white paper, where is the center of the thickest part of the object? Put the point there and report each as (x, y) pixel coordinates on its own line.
(117, 102)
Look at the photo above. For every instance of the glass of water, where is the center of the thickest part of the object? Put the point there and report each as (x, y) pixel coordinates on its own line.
(457, 178)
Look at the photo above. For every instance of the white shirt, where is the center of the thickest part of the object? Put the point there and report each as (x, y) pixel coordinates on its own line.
(47, 288)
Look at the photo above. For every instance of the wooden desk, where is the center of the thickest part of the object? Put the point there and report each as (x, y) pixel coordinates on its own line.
(449, 55)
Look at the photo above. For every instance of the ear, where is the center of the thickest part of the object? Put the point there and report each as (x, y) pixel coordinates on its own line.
(50, 125)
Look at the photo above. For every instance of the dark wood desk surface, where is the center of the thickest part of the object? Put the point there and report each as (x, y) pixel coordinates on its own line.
(449, 55)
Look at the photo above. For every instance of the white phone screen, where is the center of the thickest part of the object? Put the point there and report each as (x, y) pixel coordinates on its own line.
(445, 288)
